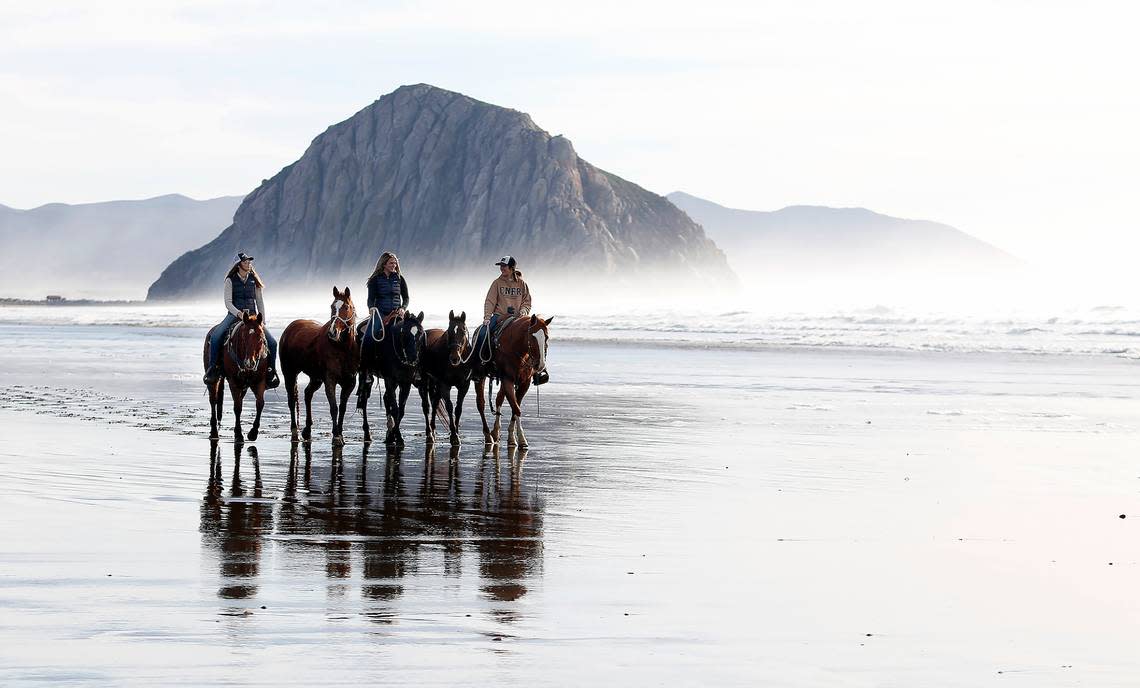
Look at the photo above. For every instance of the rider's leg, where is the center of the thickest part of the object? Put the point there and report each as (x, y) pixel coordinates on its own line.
(217, 335)
(271, 342)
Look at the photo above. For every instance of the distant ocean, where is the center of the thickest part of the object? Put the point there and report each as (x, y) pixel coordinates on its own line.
(1099, 331)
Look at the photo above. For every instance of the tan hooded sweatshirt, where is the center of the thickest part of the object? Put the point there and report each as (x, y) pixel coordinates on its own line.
(505, 292)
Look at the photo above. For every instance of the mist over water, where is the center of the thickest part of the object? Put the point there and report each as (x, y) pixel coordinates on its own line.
(1033, 313)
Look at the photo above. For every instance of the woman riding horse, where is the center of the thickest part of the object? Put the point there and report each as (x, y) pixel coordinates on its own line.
(241, 294)
(509, 295)
(388, 299)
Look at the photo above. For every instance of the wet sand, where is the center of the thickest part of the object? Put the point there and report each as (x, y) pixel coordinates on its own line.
(683, 517)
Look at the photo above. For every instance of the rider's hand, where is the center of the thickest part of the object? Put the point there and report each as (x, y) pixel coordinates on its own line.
(399, 312)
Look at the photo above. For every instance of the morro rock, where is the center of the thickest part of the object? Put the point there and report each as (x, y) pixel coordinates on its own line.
(450, 184)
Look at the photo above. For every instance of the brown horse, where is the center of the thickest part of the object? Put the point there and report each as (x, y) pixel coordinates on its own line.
(446, 363)
(328, 355)
(520, 354)
(245, 364)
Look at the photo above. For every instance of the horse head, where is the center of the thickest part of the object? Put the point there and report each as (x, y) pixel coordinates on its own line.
(343, 314)
(538, 341)
(458, 340)
(247, 344)
(408, 338)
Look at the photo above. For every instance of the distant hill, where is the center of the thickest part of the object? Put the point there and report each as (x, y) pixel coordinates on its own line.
(102, 250)
(809, 239)
(449, 183)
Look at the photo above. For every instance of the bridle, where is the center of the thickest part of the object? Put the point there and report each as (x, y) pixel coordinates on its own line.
(248, 364)
(349, 322)
(418, 336)
(458, 347)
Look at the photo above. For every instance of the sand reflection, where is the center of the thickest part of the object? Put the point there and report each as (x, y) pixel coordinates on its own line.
(396, 527)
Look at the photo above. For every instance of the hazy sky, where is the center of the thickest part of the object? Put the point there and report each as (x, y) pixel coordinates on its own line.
(1013, 121)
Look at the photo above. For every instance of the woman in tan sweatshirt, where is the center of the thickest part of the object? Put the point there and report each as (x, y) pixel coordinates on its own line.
(509, 294)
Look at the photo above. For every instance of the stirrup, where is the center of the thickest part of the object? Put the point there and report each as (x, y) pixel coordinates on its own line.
(541, 378)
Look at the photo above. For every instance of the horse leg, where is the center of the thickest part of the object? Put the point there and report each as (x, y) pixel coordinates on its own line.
(460, 393)
(481, 403)
(498, 408)
(434, 392)
(291, 393)
(362, 404)
(445, 392)
(237, 391)
(310, 390)
(516, 408)
(345, 393)
(424, 403)
(259, 393)
(215, 408)
(389, 410)
(405, 389)
(330, 392)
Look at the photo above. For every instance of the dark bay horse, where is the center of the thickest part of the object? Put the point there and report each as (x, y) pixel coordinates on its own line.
(445, 363)
(245, 364)
(328, 355)
(393, 353)
(520, 354)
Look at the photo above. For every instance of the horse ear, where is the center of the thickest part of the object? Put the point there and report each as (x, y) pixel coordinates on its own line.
(463, 316)
(533, 320)
(259, 319)
(548, 320)
(420, 317)
(347, 292)
(336, 292)
(451, 315)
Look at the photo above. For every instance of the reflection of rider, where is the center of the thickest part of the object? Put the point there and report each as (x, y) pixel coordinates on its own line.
(388, 296)
(242, 292)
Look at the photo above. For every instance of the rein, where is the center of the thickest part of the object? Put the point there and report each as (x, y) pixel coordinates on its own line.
(373, 318)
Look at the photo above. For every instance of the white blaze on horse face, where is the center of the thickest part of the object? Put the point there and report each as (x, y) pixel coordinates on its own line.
(541, 337)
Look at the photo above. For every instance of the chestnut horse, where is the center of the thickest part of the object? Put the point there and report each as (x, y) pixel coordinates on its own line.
(520, 354)
(394, 355)
(245, 364)
(446, 363)
(328, 355)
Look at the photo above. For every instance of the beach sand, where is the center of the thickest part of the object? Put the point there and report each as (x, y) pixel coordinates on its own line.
(683, 517)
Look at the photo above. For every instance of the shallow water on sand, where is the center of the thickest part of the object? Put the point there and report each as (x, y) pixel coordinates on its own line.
(683, 517)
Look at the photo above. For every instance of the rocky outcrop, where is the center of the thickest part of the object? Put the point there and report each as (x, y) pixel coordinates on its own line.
(449, 183)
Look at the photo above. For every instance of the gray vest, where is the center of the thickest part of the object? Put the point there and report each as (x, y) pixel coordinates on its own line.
(244, 293)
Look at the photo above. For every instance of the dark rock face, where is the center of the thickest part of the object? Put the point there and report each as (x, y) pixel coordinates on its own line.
(450, 184)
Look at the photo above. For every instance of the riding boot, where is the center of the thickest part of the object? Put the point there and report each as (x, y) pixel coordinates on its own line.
(273, 381)
(212, 375)
(541, 378)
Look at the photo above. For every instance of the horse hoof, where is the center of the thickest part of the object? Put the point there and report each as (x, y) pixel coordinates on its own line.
(524, 445)
(338, 441)
(295, 436)
(455, 440)
(252, 436)
(306, 434)
(430, 438)
(213, 434)
(367, 436)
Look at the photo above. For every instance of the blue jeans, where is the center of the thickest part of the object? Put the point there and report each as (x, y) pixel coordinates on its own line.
(218, 335)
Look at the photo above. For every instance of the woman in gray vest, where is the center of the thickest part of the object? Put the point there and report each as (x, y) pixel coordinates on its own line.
(242, 292)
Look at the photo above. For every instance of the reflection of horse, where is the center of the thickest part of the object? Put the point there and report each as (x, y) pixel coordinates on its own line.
(520, 354)
(245, 363)
(327, 354)
(392, 352)
(510, 544)
(234, 525)
(445, 364)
